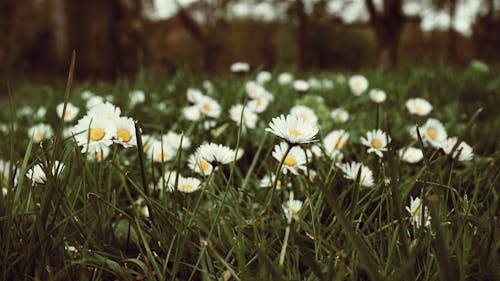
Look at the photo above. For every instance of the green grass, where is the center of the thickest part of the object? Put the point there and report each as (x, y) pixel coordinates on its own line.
(235, 229)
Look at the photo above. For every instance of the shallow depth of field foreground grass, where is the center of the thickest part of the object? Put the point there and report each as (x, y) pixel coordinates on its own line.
(127, 217)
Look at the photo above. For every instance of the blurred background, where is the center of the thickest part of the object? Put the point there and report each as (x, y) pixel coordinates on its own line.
(117, 38)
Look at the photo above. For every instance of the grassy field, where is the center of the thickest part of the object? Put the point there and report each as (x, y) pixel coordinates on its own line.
(119, 213)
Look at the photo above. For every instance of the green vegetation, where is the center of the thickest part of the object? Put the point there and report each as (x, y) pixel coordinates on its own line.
(90, 221)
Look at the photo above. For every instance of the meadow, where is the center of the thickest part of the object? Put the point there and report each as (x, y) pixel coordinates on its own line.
(199, 178)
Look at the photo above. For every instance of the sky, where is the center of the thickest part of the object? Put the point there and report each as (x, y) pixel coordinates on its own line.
(349, 11)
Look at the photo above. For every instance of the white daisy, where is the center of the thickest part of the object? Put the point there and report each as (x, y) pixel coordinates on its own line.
(294, 161)
(40, 132)
(192, 113)
(40, 113)
(300, 85)
(377, 141)
(415, 210)
(418, 106)
(87, 94)
(433, 132)
(25, 111)
(377, 95)
(105, 110)
(352, 169)
(160, 152)
(411, 155)
(136, 97)
(293, 129)
(208, 86)
(258, 105)
(314, 83)
(93, 101)
(240, 67)
(305, 113)
(268, 181)
(71, 111)
(335, 140)
(339, 115)
(5, 167)
(327, 84)
(125, 132)
(238, 113)
(263, 77)
(358, 84)
(463, 150)
(147, 140)
(174, 139)
(209, 107)
(98, 153)
(256, 91)
(94, 131)
(199, 165)
(194, 96)
(188, 185)
(37, 173)
(215, 154)
(167, 181)
(292, 207)
(285, 78)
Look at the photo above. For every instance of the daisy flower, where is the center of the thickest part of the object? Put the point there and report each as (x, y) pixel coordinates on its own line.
(98, 153)
(70, 114)
(268, 181)
(160, 152)
(433, 132)
(37, 173)
(24, 111)
(174, 139)
(249, 118)
(314, 83)
(264, 77)
(215, 154)
(240, 67)
(258, 105)
(327, 84)
(377, 95)
(188, 185)
(40, 113)
(293, 129)
(339, 115)
(167, 181)
(194, 96)
(208, 86)
(93, 101)
(5, 173)
(87, 94)
(335, 140)
(209, 107)
(305, 113)
(411, 155)
(376, 141)
(40, 132)
(463, 150)
(418, 106)
(300, 85)
(93, 131)
(285, 78)
(106, 111)
(191, 113)
(136, 97)
(358, 84)
(199, 165)
(294, 161)
(292, 207)
(415, 210)
(125, 132)
(353, 170)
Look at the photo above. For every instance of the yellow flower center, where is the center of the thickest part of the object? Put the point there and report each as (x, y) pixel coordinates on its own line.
(146, 147)
(376, 143)
(204, 166)
(294, 210)
(279, 183)
(304, 117)
(96, 134)
(67, 115)
(162, 155)
(205, 108)
(124, 135)
(339, 118)
(417, 108)
(290, 161)
(338, 143)
(99, 156)
(186, 187)
(357, 85)
(259, 102)
(40, 135)
(431, 133)
(294, 133)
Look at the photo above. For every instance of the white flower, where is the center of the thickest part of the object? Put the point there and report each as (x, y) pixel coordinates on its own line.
(377, 95)
(24, 111)
(238, 114)
(300, 85)
(327, 84)
(314, 83)
(415, 210)
(433, 132)
(71, 111)
(335, 154)
(167, 181)
(37, 173)
(285, 78)
(258, 105)
(94, 131)
(358, 84)
(209, 124)
(305, 113)
(87, 94)
(418, 106)
(411, 155)
(209, 87)
(136, 97)
(40, 132)
(40, 113)
(147, 140)
(160, 152)
(268, 181)
(209, 107)
(199, 165)
(256, 91)
(188, 185)
(240, 67)
(293, 129)
(339, 115)
(215, 154)
(377, 141)
(93, 101)
(465, 150)
(294, 161)
(353, 170)
(335, 140)
(264, 77)
(292, 207)
(174, 139)
(106, 110)
(192, 113)
(412, 130)
(194, 96)
(5, 167)
(125, 132)
(98, 153)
